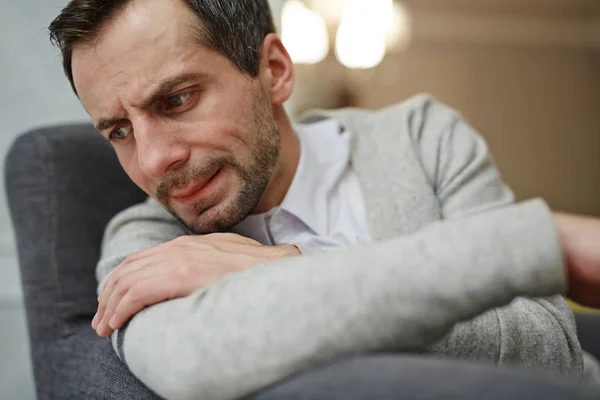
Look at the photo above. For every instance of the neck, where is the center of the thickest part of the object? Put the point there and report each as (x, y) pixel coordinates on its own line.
(284, 171)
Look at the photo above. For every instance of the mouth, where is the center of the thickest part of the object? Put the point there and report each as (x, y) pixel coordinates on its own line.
(195, 189)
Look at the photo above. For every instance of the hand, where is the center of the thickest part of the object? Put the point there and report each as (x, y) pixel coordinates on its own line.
(580, 237)
(176, 269)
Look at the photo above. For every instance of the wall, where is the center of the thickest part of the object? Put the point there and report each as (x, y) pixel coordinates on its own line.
(537, 107)
(33, 93)
(596, 69)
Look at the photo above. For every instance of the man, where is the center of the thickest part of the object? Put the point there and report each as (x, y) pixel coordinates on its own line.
(233, 289)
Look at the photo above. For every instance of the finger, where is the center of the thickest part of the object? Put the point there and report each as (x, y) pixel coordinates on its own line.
(144, 294)
(112, 295)
(247, 254)
(104, 328)
(121, 272)
(152, 290)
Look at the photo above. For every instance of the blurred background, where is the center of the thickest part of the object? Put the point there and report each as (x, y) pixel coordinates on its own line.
(524, 73)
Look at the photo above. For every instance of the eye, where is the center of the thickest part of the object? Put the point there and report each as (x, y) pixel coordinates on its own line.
(119, 134)
(178, 101)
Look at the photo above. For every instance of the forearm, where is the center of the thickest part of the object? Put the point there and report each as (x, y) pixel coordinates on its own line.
(256, 327)
(538, 333)
(527, 332)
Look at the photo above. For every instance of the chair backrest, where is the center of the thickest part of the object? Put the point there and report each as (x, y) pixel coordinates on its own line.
(63, 186)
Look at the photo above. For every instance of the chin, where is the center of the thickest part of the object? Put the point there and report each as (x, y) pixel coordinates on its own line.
(219, 218)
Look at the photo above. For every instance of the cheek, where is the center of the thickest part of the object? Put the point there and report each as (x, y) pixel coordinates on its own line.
(226, 136)
(226, 118)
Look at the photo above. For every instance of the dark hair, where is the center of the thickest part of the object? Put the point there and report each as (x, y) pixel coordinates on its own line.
(234, 28)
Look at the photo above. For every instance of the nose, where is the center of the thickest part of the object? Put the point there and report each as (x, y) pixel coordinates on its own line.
(159, 149)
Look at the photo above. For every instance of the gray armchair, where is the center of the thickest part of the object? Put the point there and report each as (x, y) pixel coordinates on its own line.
(64, 184)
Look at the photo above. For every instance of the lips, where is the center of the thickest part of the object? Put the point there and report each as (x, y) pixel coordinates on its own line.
(192, 188)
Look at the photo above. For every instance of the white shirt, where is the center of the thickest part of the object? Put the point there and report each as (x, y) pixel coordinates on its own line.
(324, 206)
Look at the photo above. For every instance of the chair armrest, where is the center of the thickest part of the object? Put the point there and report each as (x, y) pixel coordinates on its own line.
(588, 331)
(63, 185)
(84, 366)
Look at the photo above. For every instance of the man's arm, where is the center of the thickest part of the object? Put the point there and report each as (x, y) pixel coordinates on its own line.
(141, 227)
(256, 327)
(531, 332)
(470, 172)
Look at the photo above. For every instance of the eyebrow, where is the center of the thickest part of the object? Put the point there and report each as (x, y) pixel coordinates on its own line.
(164, 89)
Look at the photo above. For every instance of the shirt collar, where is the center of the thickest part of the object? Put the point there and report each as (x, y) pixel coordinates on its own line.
(324, 153)
(324, 156)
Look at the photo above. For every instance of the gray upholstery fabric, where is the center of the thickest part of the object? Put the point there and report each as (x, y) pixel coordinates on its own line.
(63, 185)
(57, 181)
(392, 377)
(588, 331)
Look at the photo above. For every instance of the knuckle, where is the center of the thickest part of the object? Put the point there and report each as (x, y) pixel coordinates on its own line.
(116, 278)
(185, 272)
(135, 294)
(120, 290)
(112, 283)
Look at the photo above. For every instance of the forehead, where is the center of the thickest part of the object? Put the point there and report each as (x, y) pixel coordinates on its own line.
(147, 41)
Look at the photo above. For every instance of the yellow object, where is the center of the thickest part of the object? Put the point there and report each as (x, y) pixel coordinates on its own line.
(577, 308)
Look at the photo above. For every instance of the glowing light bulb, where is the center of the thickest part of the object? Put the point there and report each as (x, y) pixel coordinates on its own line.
(361, 37)
(329, 9)
(399, 31)
(304, 33)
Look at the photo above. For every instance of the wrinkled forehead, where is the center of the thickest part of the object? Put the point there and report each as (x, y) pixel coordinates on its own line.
(146, 40)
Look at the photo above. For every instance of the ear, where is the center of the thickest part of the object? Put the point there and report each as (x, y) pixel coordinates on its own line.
(277, 70)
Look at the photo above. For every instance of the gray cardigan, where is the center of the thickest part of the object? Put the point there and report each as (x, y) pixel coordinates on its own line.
(454, 269)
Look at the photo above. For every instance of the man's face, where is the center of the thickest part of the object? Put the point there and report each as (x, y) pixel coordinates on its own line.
(188, 127)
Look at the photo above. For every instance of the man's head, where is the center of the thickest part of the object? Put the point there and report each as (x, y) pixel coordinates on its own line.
(190, 94)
